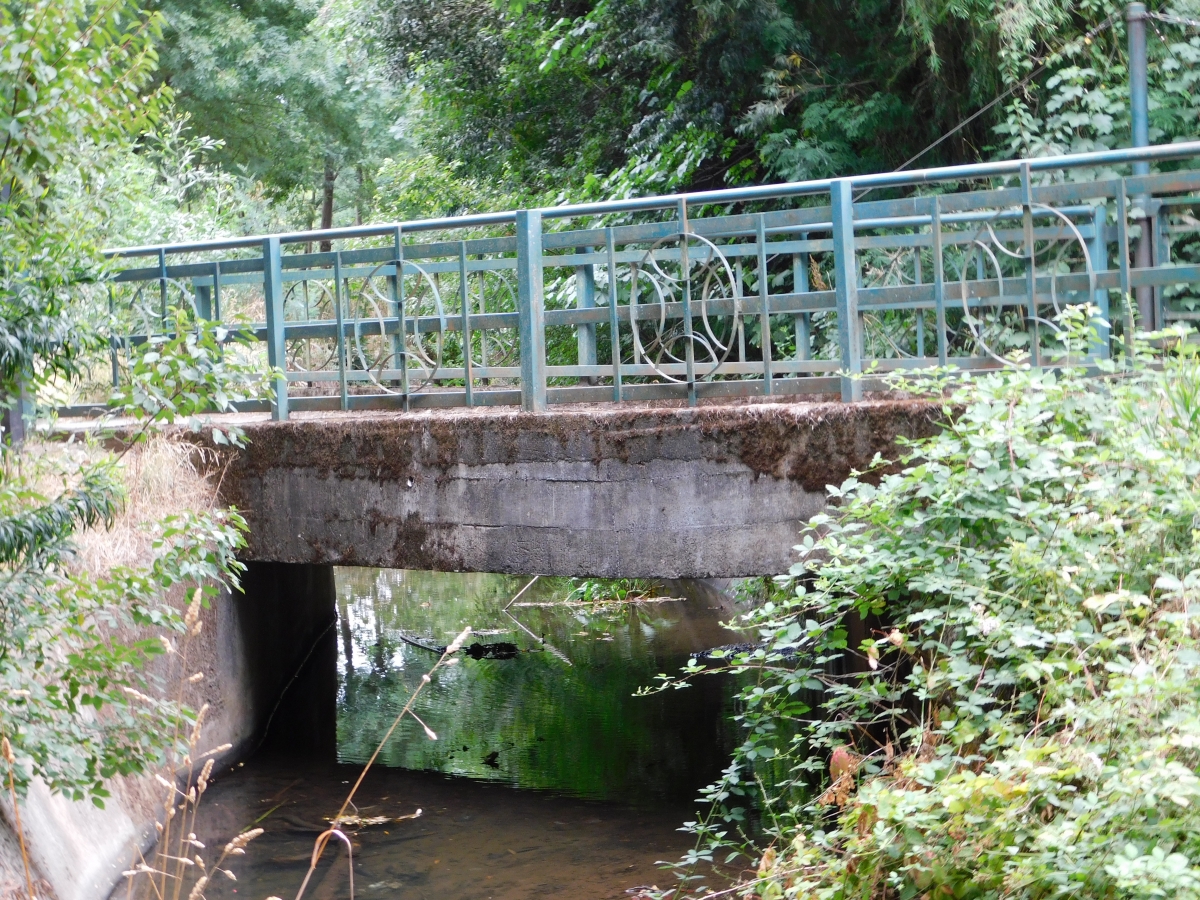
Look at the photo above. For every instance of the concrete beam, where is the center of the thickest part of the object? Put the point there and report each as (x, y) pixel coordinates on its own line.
(715, 492)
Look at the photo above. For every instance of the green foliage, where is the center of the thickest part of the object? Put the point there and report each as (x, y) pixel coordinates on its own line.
(76, 703)
(602, 98)
(186, 376)
(170, 190)
(423, 187)
(980, 681)
(284, 87)
(72, 78)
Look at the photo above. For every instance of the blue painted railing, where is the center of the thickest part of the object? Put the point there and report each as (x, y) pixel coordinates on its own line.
(776, 290)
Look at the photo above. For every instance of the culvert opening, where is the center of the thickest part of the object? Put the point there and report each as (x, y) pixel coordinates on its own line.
(550, 775)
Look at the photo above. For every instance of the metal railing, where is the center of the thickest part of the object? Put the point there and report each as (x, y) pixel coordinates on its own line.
(783, 289)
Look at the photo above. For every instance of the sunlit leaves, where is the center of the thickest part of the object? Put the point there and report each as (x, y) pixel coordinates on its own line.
(184, 377)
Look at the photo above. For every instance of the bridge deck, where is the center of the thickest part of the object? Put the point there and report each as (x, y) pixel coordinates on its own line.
(716, 491)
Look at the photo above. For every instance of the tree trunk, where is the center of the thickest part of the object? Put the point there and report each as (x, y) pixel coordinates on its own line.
(327, 201)
(358, 199)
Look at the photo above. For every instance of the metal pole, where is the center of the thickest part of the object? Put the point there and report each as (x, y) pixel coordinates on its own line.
(845, 267)
(531, 317)
(1139, 114)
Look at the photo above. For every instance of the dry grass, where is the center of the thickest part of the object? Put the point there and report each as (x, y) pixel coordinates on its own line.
(163, 476)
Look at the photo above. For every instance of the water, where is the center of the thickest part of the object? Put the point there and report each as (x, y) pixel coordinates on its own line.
(559, 716)
(548, 777)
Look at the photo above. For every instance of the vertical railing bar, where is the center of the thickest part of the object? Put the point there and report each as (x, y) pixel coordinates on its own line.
(341, 330)
(919, 279)
(765, 301)
(1161, 257)
(483, 346)
(1126, 284)
(216, 291)
(162, 286)
(273, 301)
(401, 347)
(113, 342)
(939, 278)
(465, 301)
(614, 322)
(1099, 253)
(740, 294)
(633, 314)
(685, 275)
(841, 201)
(1035, 340)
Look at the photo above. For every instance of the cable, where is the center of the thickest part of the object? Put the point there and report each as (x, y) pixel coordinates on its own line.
(1173, 20)
(1052, 57)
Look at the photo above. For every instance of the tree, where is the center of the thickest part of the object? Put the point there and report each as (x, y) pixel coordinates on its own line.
(610, 97)
(288, 88)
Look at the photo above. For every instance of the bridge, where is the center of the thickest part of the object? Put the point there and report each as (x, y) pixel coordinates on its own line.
(651, 387)
(627, 388)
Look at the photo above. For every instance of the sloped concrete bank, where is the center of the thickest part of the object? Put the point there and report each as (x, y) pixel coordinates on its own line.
(714, 492)
(251, 649)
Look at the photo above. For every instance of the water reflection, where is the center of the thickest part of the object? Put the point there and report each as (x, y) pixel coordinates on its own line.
(560, 715)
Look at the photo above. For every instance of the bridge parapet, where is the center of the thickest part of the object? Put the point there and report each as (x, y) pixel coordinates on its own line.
(781, 290)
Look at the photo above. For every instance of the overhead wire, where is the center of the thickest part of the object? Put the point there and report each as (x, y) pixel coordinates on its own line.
(1048, 60)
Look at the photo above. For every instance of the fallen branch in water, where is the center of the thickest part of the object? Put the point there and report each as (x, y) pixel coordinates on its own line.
(592, 604)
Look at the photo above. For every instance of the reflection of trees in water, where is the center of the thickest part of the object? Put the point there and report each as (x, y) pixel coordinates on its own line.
(532, 720)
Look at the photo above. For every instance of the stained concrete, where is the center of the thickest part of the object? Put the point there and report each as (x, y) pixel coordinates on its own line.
(714, 492)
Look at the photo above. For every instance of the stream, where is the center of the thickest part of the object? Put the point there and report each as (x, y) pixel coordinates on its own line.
(548, 778)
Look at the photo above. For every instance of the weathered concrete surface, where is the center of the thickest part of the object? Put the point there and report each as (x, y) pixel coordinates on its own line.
(719, 491)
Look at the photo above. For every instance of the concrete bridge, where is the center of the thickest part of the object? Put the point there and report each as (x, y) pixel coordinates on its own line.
(544, 392)
(717, 491)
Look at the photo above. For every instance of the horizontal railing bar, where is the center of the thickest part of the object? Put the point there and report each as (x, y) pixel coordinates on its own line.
(1157, 153)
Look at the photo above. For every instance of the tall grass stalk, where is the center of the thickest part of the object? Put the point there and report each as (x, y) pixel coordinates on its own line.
(177, 861)
(334, 831)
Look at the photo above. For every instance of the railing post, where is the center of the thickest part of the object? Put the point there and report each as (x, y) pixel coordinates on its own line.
(845, 269)
(203, 301)
(273, 300)
(801, 320)
(585, 298)
(1139, 115)
(531, 318)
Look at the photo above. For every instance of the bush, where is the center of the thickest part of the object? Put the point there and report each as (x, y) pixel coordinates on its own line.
(999, 694)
